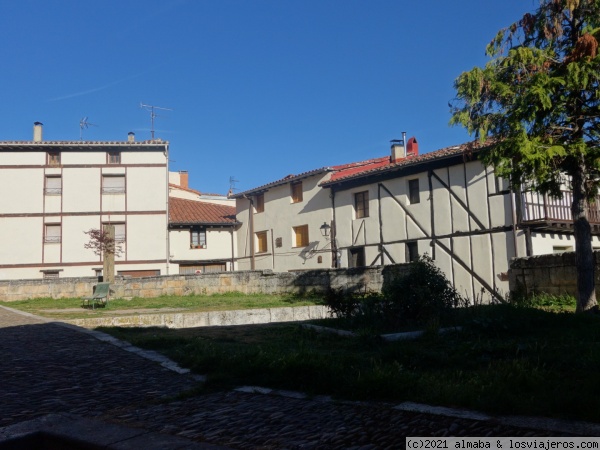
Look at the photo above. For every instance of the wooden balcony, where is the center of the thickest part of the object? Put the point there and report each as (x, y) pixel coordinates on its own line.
(553, 214)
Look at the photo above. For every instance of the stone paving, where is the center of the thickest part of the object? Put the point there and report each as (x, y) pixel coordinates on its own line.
(50, 368)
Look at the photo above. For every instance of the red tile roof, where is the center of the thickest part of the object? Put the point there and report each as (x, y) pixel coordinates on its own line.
(379, 165)
(359, 169)
(191, 212)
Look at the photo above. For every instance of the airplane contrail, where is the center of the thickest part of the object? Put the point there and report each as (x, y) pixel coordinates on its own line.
(89, 91)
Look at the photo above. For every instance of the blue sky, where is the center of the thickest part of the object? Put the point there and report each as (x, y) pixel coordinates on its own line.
(258, 89)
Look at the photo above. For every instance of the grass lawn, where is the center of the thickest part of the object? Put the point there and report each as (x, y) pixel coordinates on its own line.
(70, 308)
(506, 360)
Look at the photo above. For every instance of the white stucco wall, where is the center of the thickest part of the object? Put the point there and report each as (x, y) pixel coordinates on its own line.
(279, 217)
(218, 245)
(79, 206)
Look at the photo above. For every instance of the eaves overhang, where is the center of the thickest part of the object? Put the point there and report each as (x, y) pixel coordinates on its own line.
(280, 182)
(31, 146)
(204, 224)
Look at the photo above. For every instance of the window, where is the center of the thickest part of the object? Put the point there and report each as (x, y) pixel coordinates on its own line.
(52, 233)
(356, 257)
(562, 248)
(53, 185)
(413, 191)
(198, 238)
(297, 192)
(53, 158)
(361, 204)
(412, 251)
(51, 274)
(261, 242)
(197, 269)
(260, 203)
(113, 184)
(114, 157)
(119, 231)
(301, 236)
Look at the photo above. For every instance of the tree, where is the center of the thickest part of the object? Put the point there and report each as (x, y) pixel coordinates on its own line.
(538, 101)
(103, 243)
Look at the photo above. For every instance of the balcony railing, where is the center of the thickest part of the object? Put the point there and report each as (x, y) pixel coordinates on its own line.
(540, 208)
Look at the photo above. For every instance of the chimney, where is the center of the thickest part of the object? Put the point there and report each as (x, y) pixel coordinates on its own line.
(398, 150)
(412, 147)
(131, 136)
(37, 131)
(183, 178)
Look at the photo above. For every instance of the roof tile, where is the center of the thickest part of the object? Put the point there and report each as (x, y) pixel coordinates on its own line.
(190, 212)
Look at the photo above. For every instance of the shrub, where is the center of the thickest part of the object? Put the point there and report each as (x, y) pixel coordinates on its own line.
(422, 295)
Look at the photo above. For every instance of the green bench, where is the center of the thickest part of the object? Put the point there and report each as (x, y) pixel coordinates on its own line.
(100, 295)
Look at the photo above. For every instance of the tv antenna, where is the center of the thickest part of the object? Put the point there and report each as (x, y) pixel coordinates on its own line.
(83, 123)
(151, 108)
(232, 187)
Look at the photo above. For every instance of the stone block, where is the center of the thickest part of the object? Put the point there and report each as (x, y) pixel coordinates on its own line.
(282, 314)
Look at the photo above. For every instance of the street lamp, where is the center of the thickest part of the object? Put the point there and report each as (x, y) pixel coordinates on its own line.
(325, 229)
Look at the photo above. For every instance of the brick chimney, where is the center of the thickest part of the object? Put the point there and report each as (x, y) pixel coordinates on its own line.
(412, 147)
(183, 178)
(131, 136)
(37, 131)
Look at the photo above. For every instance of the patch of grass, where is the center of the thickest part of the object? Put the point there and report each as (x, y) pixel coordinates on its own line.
(70, 308)
(506, 360)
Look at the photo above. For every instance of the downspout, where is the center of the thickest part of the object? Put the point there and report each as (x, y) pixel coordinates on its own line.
(232, 250)
(251, 232)
(168, 243)
(334, 253)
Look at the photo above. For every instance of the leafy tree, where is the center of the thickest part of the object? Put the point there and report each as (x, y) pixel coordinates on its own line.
(538, 100)
(103, 243)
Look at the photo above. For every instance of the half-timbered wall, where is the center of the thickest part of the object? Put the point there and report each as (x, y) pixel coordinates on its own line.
(462, 218)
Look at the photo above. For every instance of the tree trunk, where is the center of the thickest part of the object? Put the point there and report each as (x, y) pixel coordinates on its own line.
(108, 270)
(584, 255)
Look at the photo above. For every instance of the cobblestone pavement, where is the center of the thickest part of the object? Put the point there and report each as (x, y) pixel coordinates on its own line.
(46, 367)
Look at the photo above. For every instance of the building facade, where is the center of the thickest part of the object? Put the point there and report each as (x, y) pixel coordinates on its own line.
(392, 209)
(55, 191)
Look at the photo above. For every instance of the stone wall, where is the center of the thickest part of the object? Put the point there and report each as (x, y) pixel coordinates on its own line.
(248, 282)
(553, 274)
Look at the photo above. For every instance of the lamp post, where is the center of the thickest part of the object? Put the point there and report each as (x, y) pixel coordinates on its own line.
(326, 232)
(325, 229)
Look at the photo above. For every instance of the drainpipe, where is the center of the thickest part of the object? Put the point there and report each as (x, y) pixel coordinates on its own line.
(251, 231)
(232, 251)
(168, 243)
(334, 253)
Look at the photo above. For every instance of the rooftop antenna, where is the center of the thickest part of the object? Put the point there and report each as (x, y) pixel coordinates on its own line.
(232, 187)
(83, 123)
(151, 108)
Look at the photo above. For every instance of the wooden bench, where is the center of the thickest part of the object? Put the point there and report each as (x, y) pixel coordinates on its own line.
(100, 295)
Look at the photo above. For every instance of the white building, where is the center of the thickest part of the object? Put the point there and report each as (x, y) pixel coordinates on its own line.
(54, 191)
(280, 224)
(202, 229)
(391, 209)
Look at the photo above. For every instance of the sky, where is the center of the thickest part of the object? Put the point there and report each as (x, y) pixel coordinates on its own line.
(255, 89)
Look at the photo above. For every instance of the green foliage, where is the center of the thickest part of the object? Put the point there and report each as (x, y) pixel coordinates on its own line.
(539, 96)
(423, 295)
(536, 104)
(550, 302)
